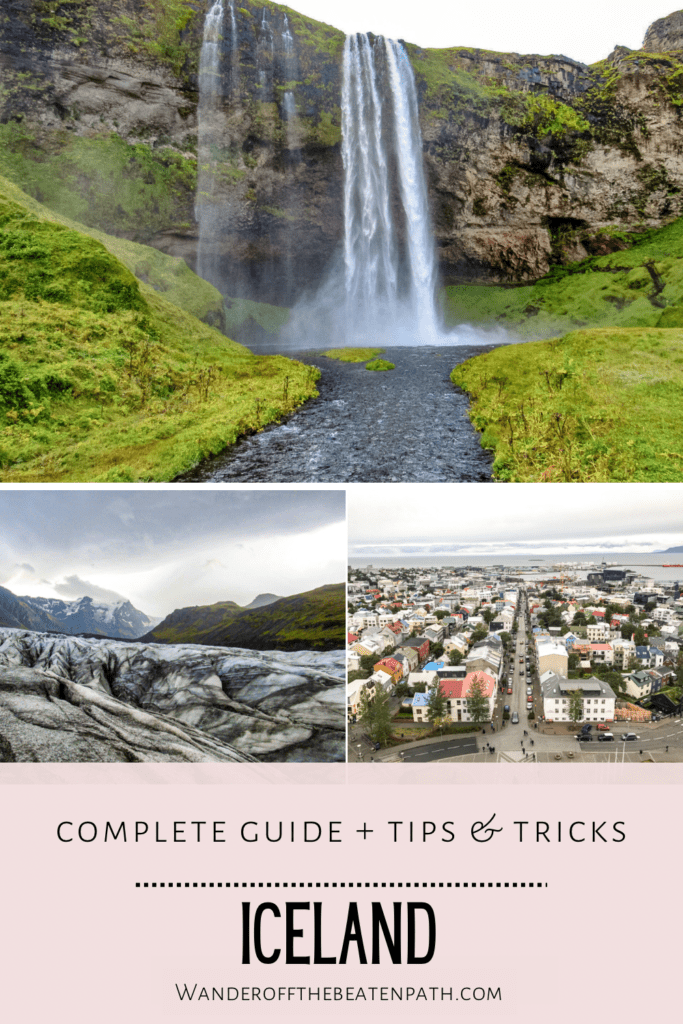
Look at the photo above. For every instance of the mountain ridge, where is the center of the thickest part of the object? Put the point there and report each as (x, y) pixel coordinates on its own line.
(313, 620)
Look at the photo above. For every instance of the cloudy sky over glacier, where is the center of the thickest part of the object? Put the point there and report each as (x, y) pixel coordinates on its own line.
(165, 549)
(586, 30)
(456, 519)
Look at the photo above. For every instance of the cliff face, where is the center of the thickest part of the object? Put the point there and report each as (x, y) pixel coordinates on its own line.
(531, 160)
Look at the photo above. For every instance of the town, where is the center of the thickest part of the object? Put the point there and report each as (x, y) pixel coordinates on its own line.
(521, 664)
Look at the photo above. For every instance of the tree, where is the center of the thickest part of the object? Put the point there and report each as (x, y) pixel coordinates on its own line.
(639, 637)
(574, 661)
(455, 657)
(440, 614)
(477, 702)
(575, 705)
(375, 714)
(480, 633)
(436, 650)
(506, 638)
(437, 705)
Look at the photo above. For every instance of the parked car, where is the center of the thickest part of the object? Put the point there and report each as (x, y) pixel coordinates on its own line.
(515, 718)
(506, 707)
(509, 689)
(586, 727)
(603, 725)
(529, 691)
(629, 736)
(584, 737)
(606, 737)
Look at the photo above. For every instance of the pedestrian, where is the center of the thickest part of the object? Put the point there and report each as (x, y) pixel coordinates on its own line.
(640, 752)
(522, 742)
(532, 743)
(667, 748)
(523, 751)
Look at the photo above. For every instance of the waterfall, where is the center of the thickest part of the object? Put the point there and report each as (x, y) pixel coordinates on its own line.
(265, 52)
(389, 283)
(288, 104)
(234, 41)
(210, 94)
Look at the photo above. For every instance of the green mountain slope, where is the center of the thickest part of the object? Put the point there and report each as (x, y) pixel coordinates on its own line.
(311, 621)
(600, 403)
(102, 378)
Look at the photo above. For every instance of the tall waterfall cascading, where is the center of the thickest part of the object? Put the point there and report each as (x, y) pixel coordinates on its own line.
(288, 103)
(210, 93)
(382, 290)
(389, 262)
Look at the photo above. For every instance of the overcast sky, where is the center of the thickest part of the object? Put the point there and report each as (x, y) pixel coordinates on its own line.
(586, 30)
(442, 519)
(170, 549)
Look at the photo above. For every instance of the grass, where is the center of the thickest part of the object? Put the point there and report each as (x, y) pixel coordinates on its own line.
(380, 365)
(613, 290)
(598, 403)
(102, 378)
(595, 405)
(352, 355)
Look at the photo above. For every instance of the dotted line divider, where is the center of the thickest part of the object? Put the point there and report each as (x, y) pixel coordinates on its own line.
(341, 885)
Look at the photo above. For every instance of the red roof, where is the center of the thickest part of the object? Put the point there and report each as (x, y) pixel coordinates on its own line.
(458, 688)
(351, 638)
(600, 647)
(389, 663)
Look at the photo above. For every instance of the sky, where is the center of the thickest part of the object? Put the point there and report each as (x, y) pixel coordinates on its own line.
(586, 30)
(457, 519)
(167, 549)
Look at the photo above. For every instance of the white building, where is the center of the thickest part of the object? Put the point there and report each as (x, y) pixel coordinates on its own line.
(598, 699)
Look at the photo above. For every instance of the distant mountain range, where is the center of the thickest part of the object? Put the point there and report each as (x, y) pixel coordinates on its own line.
(671, 551)
(84, 615)
(311, 621)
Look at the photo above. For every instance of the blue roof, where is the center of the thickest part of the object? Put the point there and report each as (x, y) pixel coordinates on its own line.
(420, 700)
(432, 666)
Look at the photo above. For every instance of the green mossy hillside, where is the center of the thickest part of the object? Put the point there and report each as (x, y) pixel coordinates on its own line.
(596, 405)
(315, 620)
(639, 286)
(103, 181)
(102, 378)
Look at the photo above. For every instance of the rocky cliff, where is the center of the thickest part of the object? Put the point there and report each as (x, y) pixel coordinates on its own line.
(71, 699)
(531, 160)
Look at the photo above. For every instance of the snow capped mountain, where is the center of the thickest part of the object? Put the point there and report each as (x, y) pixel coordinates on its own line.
(87, 615)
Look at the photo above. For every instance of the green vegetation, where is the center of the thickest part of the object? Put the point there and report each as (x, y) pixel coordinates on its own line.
(596, 405)
(160, 30)
(352, 355)
(239, 312)
(311, 621)
(599, 403)
(102, 378)
(380, 364)
(101, 180)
